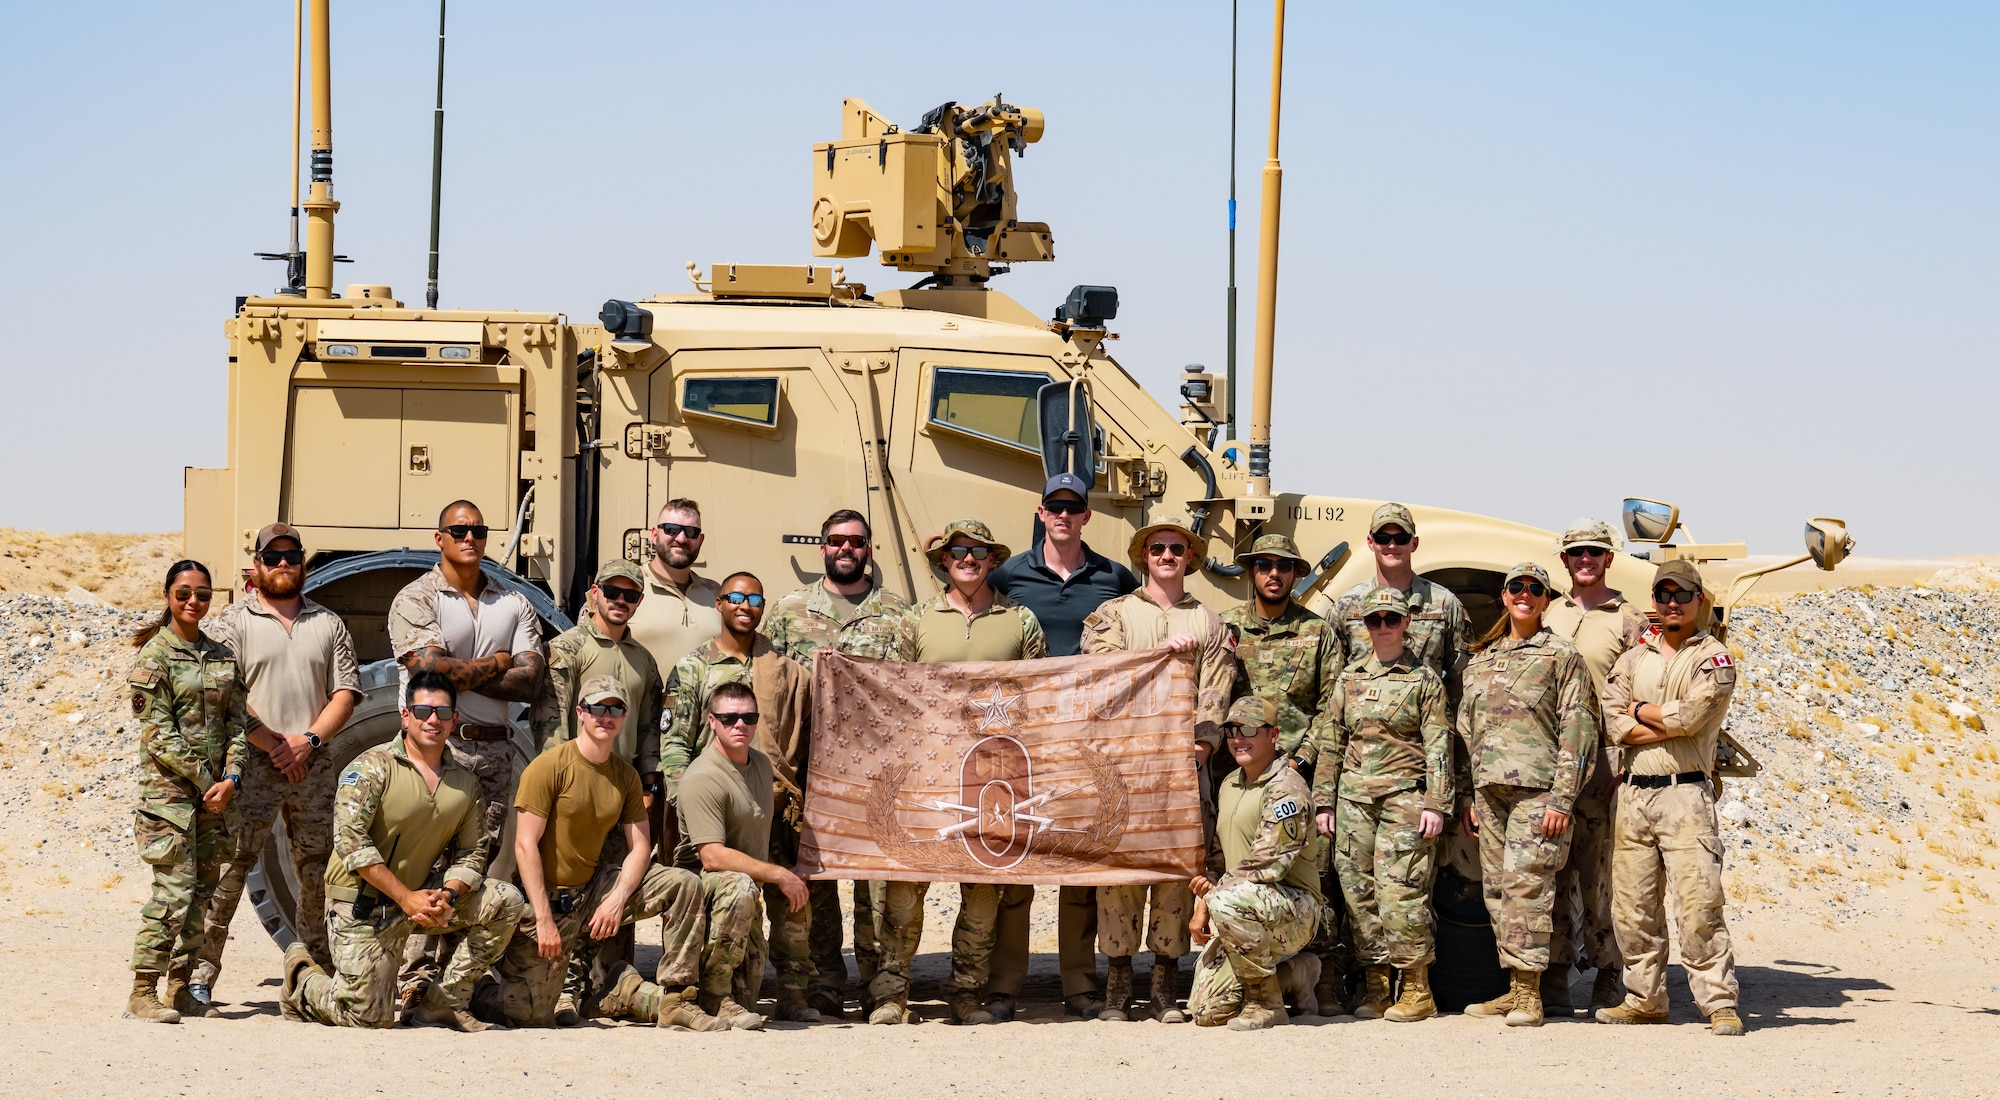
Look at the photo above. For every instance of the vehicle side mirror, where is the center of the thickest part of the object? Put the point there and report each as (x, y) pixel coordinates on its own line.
(1069, 436)
(1827, 541)
(1650, 520)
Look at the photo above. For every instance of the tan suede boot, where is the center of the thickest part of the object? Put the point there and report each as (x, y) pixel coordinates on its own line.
(1376, 993)
(1527, 1010)
(183, 1000)
(144, 1004)
(433, 1012)
(724, 1007)
(679, 1012)
(1263, 1005)
(1416, 1003)
(1725, 1022)
(1498, 1006)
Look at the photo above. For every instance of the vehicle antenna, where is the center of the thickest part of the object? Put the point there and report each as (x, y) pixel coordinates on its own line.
(320, 205)
(295, 261)
(1229, 407)
(1267, 280)
(437, 166)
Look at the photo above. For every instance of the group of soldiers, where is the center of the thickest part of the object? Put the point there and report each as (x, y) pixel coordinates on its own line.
(1365, 730)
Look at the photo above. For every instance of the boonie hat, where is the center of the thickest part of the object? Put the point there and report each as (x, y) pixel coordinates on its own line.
(1384, 598)
(1392, 513)
(271, 532)
(1197, 545)
(1533, 572)
(597, 689)
(972, 529)
(1066, 483)
(622, 569)
(1682, 572)
(1252, 710)
(1588, 532)
(1273, 546)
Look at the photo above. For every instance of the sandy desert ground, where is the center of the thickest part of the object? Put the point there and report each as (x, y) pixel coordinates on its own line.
(1862, 878)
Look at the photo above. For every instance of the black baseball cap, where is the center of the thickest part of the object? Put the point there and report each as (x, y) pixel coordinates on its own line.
(1069, 482)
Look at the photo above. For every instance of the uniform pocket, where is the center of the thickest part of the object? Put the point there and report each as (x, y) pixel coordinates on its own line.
(161, 842)
(1713, 846)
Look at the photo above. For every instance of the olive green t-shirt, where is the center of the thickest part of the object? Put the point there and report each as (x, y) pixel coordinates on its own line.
(582, 802)
(725, 803)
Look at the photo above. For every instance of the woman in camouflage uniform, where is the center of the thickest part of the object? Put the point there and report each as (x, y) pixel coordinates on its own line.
(190, 706)
(1529, 726)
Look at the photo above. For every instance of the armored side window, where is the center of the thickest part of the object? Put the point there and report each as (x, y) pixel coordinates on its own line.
(745, 400)
(993, 405)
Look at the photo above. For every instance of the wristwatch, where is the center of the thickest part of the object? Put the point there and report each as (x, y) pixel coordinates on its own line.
(236, 779)
(313, 739)
(454, 894)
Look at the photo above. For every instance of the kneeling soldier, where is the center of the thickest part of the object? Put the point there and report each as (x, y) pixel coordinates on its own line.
(725, 806)
(398, 808)
(1267, 905)
(570, 799)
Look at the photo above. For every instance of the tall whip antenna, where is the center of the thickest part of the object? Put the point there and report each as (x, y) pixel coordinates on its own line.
(1229, 409)
(437, 166)
(1259, 485)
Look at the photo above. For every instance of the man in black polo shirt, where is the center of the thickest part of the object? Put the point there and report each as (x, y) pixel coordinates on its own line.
(1061, 579)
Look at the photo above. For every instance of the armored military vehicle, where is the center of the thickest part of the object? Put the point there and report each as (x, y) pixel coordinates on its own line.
(770, 394)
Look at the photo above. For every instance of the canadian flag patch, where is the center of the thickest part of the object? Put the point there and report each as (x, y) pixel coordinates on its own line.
(1720, 660)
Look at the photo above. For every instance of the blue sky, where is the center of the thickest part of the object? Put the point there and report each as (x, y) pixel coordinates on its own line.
(1537, 256)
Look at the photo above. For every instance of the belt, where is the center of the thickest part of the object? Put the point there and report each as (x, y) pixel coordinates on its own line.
(483, 733)
(1655, 781)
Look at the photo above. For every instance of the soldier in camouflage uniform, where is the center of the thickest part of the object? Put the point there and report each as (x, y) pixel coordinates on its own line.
(189, 703)
(1384, 789)
(1440, 634)
(848, 611)
(1161, 613)
(1289, 654)
(1529, 729)
(1263, 902)
(401, 809)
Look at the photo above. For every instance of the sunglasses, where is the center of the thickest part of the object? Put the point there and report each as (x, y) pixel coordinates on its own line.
(618, 593)
(604, 710)
(858, 542)
(422, 712)
(462, 530)
(198, 595)
(976, 553)
(1240, 732)
(1381, 538)
(275, 558)
(1675, 595)
(1065, 507)
(1533, 588)
(1586, 552)
(1168, 549)
(737, 718)
(1273, 565)
(689, 531)
(1383, 619)
(738, 599)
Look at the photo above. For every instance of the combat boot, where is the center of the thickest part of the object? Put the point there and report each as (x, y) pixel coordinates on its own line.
(723, 1007)
(433, 1012)
(1263, 1005)
(293, 971)
(566, 1013)
(181, 995)
(889, 1012)
(1376, 994)
(1331, 990)
(619, 999)
(1624, 1013)
(144, 1003)
(679, 1011)
(1498, 1006)
(1166, 982)
(1296, 978)
(1117, 988)
(1555, 991)
(828, 1003)
(1527, 1010)
(1415, 1003)
(1608, 989)
(966, 1009)
(793, 1009)
(1725, 1022)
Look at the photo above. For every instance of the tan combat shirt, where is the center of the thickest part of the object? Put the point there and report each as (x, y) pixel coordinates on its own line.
(671, 621)
(1006, 631)
(290, 673)
(1134, 622)
(583, 651)
(1692, 690)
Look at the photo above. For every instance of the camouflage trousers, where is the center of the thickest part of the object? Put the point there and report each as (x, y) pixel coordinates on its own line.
(899, 927)
(1583, 936)
(733, 947)
(362, 990)
(1517, 867)
(1124, 925)
(790, 937)
(530, 984)
(977, 931)
(1386, 868)
(186, 862)
(497, 766)
(1667, 837)
(308, 810)
(1256, 926)
(595, 963)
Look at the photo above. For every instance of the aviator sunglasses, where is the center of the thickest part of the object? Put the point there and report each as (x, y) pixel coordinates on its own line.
(1533, 588)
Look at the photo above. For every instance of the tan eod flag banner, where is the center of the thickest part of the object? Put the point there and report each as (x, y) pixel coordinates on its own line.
(1074, 770)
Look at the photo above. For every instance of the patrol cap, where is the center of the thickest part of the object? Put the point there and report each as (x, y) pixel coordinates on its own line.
(1530, 571)
(271, 532)
(972, 529)
(1273, 546)
(1252, 711)
(622, 569)
(1392, 513)
(1197, 546)
(1588, 532)
(1066, 483)
(1384, 597)
(599, 689)
(1680, 571)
